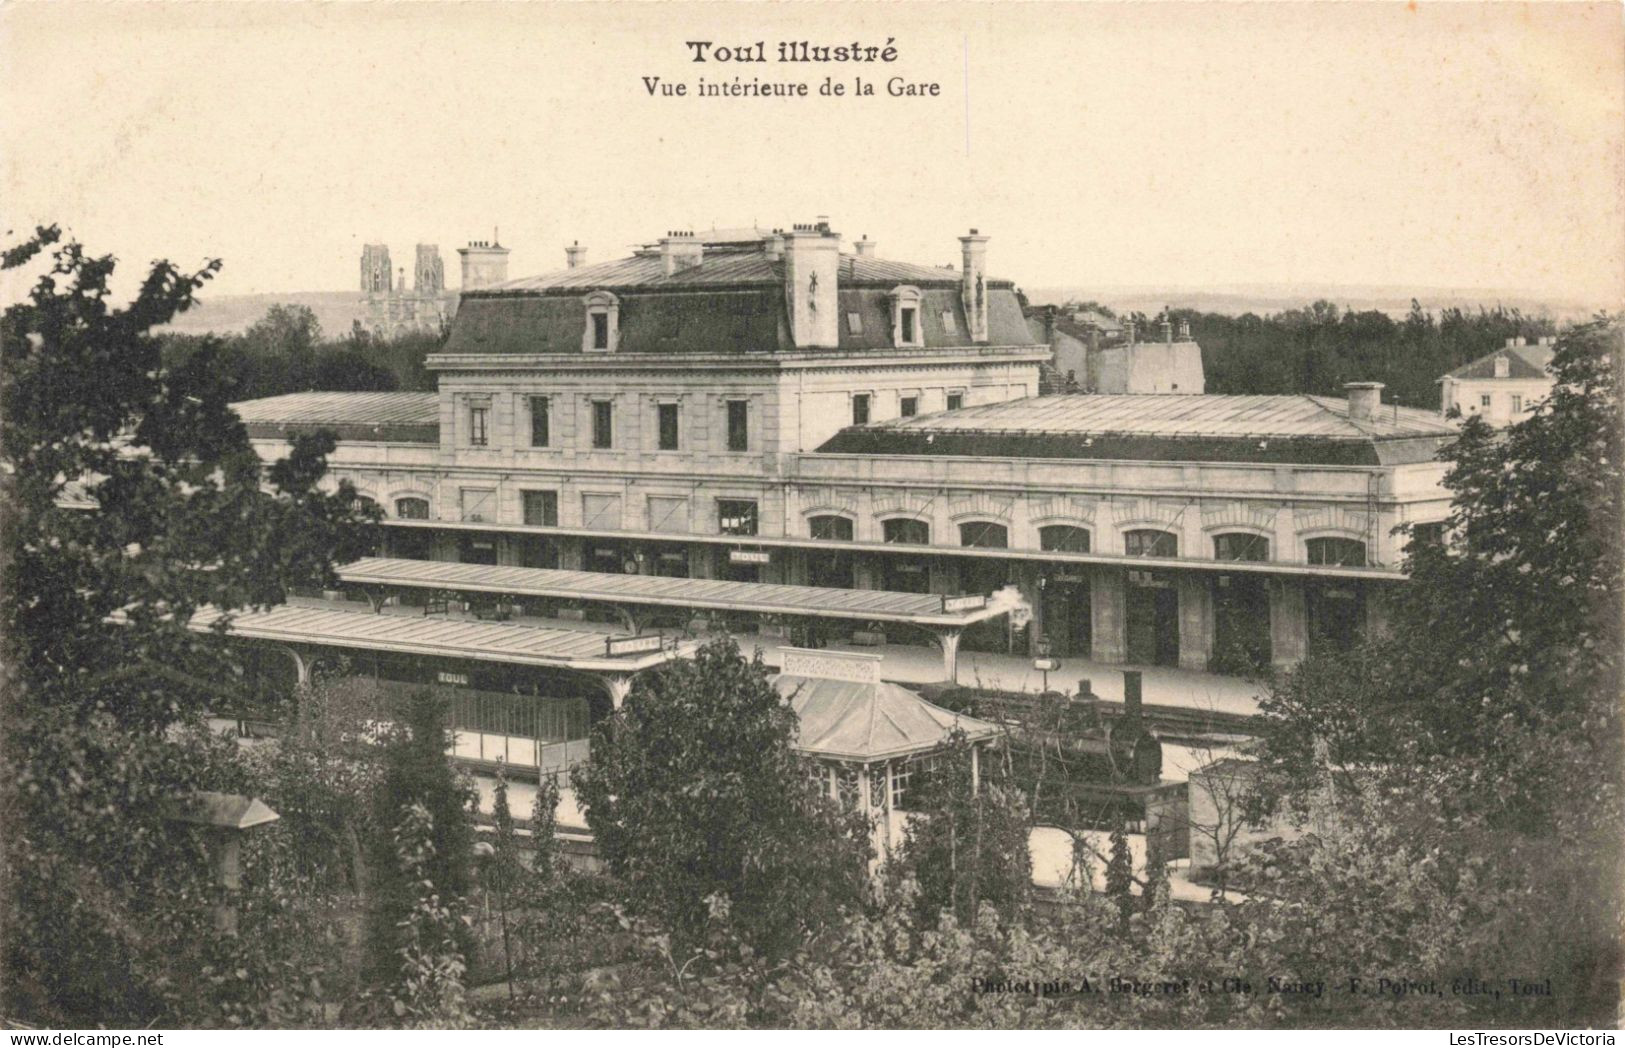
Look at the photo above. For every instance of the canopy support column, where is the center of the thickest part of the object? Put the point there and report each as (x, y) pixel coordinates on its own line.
(301, 666)
(948, 641)
(629, 618)
(617, 686)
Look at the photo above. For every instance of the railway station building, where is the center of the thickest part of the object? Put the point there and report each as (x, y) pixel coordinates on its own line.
(802, 419)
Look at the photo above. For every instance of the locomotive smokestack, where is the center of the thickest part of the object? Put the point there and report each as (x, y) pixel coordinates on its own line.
(1131, 696)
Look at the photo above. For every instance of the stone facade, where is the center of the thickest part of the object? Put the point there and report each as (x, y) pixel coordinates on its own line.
(673, 461)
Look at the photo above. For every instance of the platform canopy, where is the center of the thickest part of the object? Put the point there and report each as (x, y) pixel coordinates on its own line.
(582, 650)
(920, 609)
(847, 713)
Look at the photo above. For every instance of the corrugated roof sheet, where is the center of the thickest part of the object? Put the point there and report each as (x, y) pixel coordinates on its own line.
(399, 418)
(760, 597)
(1522, 362)
(1159, 414)
(343, 408)
(1298, 430)
(453, 638)
(851, 721)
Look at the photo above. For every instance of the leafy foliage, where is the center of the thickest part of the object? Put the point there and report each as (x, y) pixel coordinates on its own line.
(967, 842)
(693, 790)
(418, 774)
(133, 499)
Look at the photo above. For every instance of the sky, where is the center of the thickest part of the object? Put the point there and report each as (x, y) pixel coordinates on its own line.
(1469, 146)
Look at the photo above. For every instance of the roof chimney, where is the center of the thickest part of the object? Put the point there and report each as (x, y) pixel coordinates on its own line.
(1167, 326)
(679, 250)
(812, 258)
(483, 264)
(864, 247)
(575, 255)
(1128, 330)
(1364, 399)
(1184, 331)
(973, 283)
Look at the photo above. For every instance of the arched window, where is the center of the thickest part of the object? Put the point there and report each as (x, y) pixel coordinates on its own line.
(1064, 538)
(1148, 542)
(362, 503)
(1346, 553)
(984, 533)
(412, 509)
(1239, 545)
(908, 532)
(831, 528)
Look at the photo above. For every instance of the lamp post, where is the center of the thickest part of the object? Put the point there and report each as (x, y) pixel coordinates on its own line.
(1044, 663)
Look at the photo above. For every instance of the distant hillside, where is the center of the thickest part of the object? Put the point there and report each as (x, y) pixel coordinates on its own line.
(232, 314)
(1265, 299)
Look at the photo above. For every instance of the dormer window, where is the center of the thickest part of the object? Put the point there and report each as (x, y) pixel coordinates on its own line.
(602, 332)
(1503, 367)
(906, 327)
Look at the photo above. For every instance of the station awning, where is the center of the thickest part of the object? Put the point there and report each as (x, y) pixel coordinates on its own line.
(920, 609)
(582, 650)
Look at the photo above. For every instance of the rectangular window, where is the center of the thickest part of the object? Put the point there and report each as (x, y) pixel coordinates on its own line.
(956, 401)
(908, 406)
(854, 323)
(600, 331)
(736, 516)
(541, 507)
(906, 326)
(738, 434)
(478, 504)
(667, 418)
(477, 432)
(603, 434)
(1484, 400)
(949, 324)
(539, 435)
(1517, 403)
(860, 409)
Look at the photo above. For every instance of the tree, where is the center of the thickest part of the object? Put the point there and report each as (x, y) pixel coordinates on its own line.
(133, 498)
(1482, 730)
(291, 333)
(1120, 872)
(418, 773)
(967, 843)
(694, 791)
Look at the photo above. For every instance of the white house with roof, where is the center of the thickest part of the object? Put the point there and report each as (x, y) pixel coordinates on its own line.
(1501, 387)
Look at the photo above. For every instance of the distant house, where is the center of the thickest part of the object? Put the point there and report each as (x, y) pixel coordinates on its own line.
(1094, 353)
(1501, 387)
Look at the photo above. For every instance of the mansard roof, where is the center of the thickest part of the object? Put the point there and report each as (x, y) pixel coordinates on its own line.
(1298, 429)
(732, 301)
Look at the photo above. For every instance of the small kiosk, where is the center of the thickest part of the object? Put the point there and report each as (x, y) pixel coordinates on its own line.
(869, 738)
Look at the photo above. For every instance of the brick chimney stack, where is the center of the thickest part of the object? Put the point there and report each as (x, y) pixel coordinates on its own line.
(1365, 398)
(575, 255)
(973, 283)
